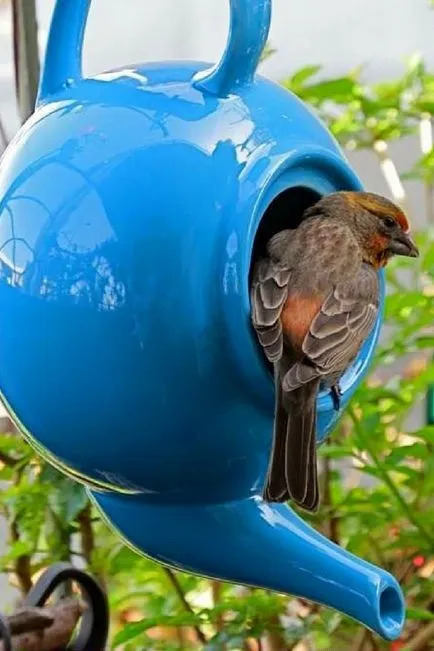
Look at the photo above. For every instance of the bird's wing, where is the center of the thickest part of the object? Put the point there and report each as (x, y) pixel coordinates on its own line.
(269, 291)
(338, 331)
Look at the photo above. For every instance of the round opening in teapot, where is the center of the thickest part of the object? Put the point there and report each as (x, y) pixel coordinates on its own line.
(297, 183)
(285, 211)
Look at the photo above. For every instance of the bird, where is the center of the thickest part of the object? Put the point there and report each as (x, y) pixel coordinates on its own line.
(314, 300)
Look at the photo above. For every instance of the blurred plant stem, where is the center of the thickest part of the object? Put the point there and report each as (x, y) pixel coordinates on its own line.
(422, 639)
(426, 147)
(390, 173)
(22, 568)
(22, 564)
(274, 639)
(216, 591)
(173, 579)
(331, 528)
(365, 443)
(26, 55)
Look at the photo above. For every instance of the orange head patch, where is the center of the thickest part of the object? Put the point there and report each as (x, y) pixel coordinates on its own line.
(379, 206)
(377, 248)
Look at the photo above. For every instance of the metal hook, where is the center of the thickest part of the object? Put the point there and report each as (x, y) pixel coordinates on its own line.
(93, 632)
(5, 634)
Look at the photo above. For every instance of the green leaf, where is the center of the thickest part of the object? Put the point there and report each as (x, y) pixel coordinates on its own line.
(335, 451)
(423, 343)
(419, 614)
(398, 454)
(267, 52)
(132, 631)
(135, 629)
(426, 433)
(125, 560)
(16, 550)
(302, 75)
(340, 89)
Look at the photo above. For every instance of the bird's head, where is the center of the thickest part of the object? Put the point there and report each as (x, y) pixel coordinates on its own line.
(380, 226)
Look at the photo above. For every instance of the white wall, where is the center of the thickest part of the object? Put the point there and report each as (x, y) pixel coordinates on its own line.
(336, 33)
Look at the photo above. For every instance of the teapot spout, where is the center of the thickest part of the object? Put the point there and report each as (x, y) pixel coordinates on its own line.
(263, 545)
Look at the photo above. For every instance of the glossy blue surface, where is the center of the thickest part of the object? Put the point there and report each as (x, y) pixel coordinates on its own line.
(129, 205)
(267, 548)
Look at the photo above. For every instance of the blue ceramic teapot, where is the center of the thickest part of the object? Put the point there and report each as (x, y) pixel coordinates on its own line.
(132, 206)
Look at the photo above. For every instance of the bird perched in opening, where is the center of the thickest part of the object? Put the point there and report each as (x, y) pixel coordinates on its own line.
(314, 300)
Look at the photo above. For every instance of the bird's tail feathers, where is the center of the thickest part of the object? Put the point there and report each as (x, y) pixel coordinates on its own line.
(292, 473)
(276, 489)
(301, 459)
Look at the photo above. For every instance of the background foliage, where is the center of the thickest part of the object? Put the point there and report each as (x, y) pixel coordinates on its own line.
(377, 473)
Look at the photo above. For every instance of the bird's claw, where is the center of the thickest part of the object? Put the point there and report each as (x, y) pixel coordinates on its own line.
(336, 396)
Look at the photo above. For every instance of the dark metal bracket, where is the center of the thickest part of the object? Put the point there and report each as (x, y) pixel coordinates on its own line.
(94, 624)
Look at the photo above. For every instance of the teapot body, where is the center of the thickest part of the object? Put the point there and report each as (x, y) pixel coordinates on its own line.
(127, 222)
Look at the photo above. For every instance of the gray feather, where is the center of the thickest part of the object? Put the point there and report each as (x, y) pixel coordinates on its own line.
(268, 295)
(345, 319)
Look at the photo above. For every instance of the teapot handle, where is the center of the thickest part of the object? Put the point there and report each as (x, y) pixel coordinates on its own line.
(248, 32)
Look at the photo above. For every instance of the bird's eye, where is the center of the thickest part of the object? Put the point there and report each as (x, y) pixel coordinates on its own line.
(389, 222)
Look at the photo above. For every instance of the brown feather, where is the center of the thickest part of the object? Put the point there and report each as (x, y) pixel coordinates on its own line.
(297, 316)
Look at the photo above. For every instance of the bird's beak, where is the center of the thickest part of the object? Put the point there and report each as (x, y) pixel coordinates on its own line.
(403, 244)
